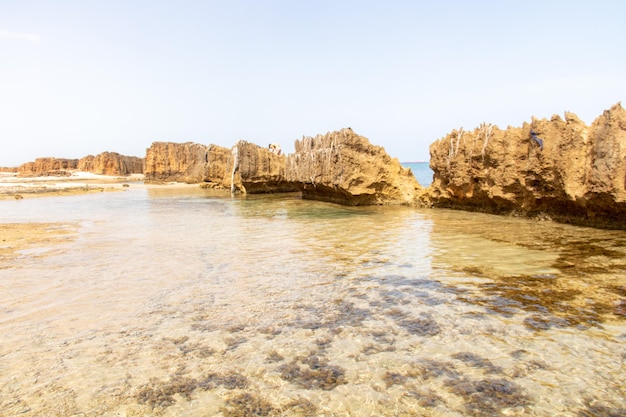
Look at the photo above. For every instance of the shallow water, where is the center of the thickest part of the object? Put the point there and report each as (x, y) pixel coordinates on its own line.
(180, 302)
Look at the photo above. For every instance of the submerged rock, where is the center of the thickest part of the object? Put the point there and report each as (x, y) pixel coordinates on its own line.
(557, 168)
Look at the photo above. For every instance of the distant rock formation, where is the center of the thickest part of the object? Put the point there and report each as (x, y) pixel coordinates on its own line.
(111, 163)
(106, 163)
(558, 168)
(340, 167)
(47, 167)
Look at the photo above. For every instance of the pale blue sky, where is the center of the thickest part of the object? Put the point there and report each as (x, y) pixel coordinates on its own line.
(84, 77)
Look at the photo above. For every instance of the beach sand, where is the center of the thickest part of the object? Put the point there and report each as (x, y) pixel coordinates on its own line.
(14, 187)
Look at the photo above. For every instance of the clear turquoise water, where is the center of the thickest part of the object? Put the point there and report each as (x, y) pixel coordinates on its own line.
(422, 172)
(182, 302)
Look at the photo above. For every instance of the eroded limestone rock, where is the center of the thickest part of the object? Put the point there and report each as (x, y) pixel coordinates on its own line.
(47, 166)
(261, 170)
(340, 167)
(106, 163)
(176, 162)
(343, 167)
(111, 163)
(577, 176)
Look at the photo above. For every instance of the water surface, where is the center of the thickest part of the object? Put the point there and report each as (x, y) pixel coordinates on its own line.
(179, 302)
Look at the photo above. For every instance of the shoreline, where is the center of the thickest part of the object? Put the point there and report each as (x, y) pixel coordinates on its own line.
(17, 237)
(14, 187)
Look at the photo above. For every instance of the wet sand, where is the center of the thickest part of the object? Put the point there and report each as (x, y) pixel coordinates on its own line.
(20, 237)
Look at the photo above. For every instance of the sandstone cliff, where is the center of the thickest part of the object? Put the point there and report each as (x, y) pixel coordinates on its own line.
(182, 162)
(345, 168)
(340, 167)
(111, 163)
(558, 167)
(106, 163)
(259, 170)
(47, 166)
(219, 166)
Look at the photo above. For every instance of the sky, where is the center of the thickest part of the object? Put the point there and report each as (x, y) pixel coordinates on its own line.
(82, 77)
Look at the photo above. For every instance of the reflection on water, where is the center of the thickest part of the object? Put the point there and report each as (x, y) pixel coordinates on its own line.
(186, 303)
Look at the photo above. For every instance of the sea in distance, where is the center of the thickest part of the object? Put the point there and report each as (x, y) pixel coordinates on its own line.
(422, 172)
(179, 301)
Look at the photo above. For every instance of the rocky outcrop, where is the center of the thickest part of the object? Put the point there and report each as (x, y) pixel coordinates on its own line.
(219, 167)
(47, 167)
(111, 163)
(106, 163)
(558, 168)
(176, 162)
(260, 170)
(345, 168)
(340, 167)
(245, 167)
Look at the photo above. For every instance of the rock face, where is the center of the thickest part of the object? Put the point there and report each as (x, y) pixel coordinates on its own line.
(218, 170)
(106, 163)
(559, 167)
(245, 167)
(47, 166)
(340, 167)
(182, 162)
(259, 170)
(111, 163)
(345, 168)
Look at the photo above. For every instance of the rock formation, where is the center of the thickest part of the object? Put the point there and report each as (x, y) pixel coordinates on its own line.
(218, 170)
(260, 170)
(47, 166)
(176, 162)
(343, 167)
(106, 163)
(111, 163)
(340, 167)
(245, 167)
(558, 167)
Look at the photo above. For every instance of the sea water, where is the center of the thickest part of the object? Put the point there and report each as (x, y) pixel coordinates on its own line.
(185, 302)
(422, 172)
